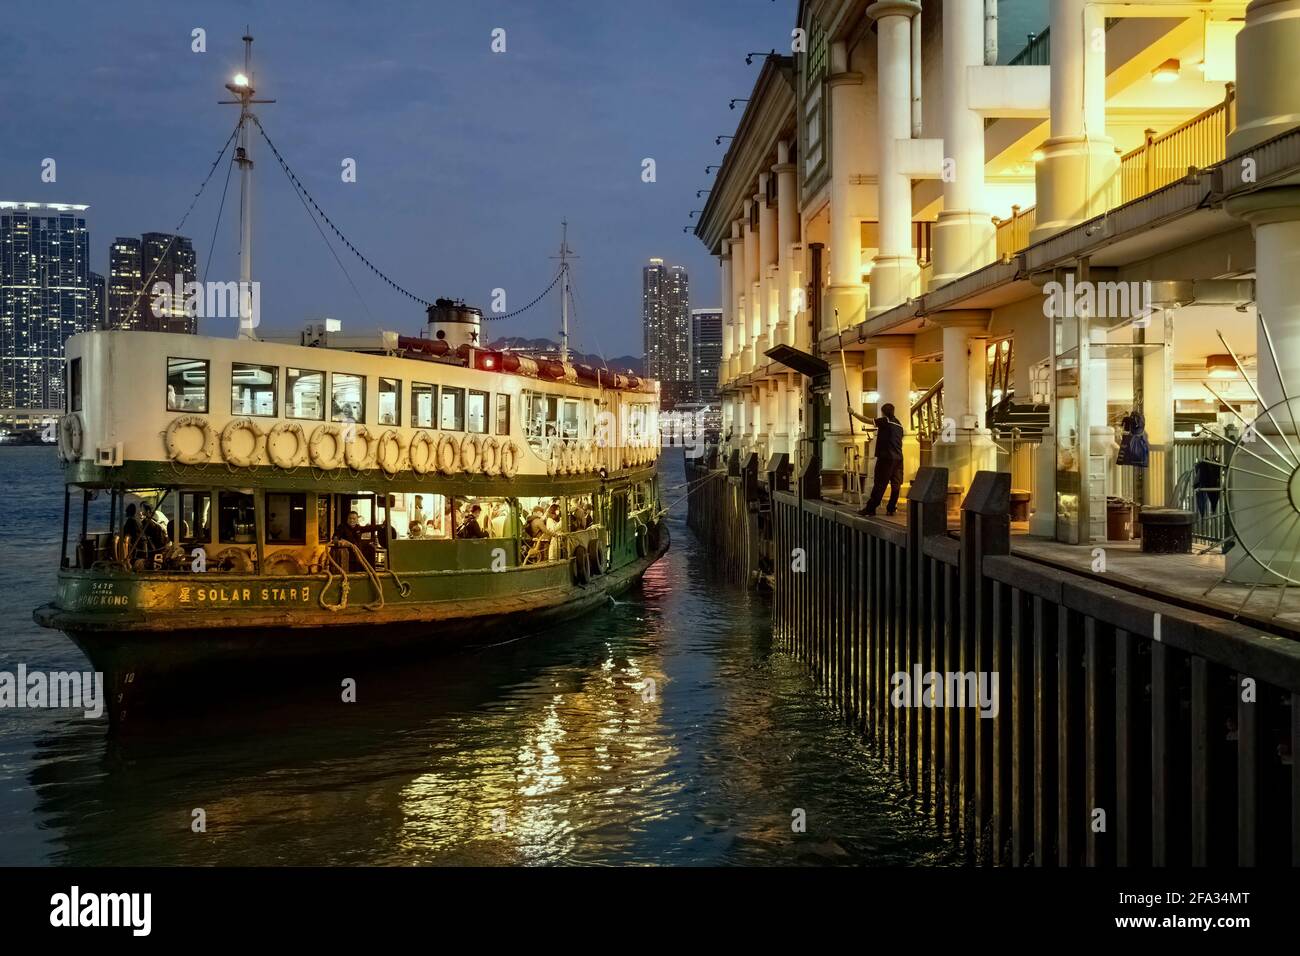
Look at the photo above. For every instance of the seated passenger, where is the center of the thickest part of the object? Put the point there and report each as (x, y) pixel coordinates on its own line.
(154, 537)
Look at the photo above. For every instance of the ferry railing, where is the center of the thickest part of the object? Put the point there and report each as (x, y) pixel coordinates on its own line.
(1121, 729)
(1165, 158)
(1012, 234)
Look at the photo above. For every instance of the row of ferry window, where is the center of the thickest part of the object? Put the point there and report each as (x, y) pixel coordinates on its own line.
(254, 391)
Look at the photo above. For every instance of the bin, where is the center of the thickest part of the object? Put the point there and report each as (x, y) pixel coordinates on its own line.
(1019, 505)
(1119, 520)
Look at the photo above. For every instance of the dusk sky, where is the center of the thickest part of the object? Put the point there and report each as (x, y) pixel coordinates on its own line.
(467, 160)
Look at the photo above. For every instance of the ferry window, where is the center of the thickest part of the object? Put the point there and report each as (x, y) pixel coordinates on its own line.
(569, 426)
(491, 520)
(422, 402)
(541, 415)
(252, 389)
(503, 414)
(453, 410)
(196, 517)
(420, 517)
(235, 518)
(286, 518)
(390, 401)
(581, 513)
(187, 385)
(348, 398)
(324, 527)
(304, 394)
(74, 384)
(478, 404)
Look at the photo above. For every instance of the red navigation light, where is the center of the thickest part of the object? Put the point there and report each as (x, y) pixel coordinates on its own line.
(489, 362)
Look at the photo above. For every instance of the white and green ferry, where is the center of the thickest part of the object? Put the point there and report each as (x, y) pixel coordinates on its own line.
(210, 484)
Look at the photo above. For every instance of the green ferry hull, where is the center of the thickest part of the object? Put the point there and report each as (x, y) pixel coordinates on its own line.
(152, 653)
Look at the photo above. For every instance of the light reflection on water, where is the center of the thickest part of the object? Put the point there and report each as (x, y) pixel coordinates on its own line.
(540, 751)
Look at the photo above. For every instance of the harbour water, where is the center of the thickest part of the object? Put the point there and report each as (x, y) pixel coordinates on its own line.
(556, 749)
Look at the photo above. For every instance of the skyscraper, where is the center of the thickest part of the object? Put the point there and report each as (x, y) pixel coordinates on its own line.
(98, 301)
(44, 298)
(135, 267)
(706, 353)
(666, 321)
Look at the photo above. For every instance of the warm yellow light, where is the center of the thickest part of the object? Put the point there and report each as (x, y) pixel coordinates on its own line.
(1038, 156)
(1167, 72)
(240, 80)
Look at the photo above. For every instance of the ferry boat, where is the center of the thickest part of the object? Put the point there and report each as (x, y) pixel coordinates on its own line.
(489, 494)
(237, 501)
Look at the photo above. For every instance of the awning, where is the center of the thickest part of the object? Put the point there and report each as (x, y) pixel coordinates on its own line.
(801, 362)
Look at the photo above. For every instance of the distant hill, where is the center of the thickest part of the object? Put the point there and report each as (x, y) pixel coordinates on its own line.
(618, 363)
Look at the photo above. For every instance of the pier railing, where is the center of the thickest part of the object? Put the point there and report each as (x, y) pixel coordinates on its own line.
(1120, 731)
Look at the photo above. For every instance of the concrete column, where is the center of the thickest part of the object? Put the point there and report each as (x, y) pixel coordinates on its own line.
(728, 314)
(745, 314)
(845, 390)
(845, 293)
(780, 415)
(894, 270)
(799, 335)
(965, 406)
(964, 236)
(787, 231)
(767, 261)
(753, 277)
(1074, 178)
(894, 383)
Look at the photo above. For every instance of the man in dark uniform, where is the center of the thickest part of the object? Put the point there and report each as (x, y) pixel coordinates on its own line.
(353, 530)
(889, 462)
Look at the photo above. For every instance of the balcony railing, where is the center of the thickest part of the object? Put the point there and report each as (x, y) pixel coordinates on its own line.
(1200, 142)
(1013, 233)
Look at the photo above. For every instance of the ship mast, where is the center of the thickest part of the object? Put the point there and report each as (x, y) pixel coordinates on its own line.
(241, 85)
(565, 255)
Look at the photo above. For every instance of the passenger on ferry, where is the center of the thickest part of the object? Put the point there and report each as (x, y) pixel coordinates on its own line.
(497, 523)
(153, 537)
(473, 527)
(352, 531)
(554, 528)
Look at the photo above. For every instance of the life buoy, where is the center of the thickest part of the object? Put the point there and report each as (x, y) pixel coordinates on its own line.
(589, 456)
(382, 456)
(581, 570)
(285, 562)
(314, 452)
(553, 462)
(491, 456)
(358, 447)
(69, 437)
(426, 464)
(448, 454)
(278, 457)
(509, 459)
(471, 453)
(238, 459)
(203, 453)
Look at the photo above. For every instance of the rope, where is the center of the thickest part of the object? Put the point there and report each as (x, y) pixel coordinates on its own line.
(403, 588)
(507, 315)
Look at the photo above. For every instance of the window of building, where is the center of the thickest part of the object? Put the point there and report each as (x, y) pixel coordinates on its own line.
(74, 385)
(236, 518)
(187, 385)
(390, 401)
(503, 414)
(196, 517)
(477, 415)
(252, 389)
(423, 398)
(286, 518)
(347, 397)
(304, 394)
(452, 418)
(541, 416)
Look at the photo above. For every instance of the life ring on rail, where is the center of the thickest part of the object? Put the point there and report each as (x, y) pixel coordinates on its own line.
(589, 456)
(509, 459)
(388, 438)
(553, 462)
(471, 453)
(318, 437)
(285, 562)
(358, 451)
(300, 454)
(491, 456)
(69, 437)
(430, 460)
(203, 453)
(232, 559)
(448, 454)
(228, 433)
